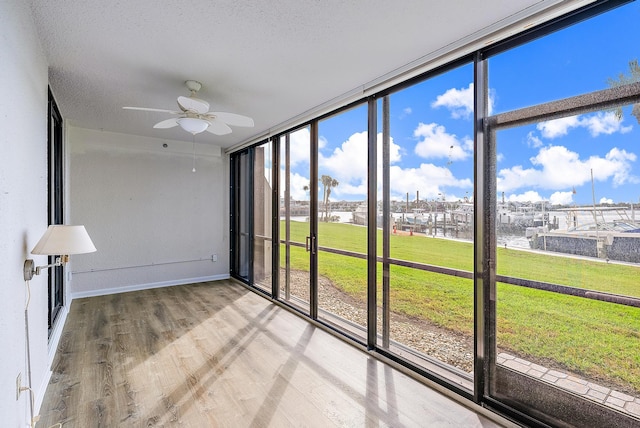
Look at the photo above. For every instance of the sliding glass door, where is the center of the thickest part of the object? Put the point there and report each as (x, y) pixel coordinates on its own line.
(426, 224)
(489, 246)
(297, 240)
(262, 215)
(342, 220)
(242, 209)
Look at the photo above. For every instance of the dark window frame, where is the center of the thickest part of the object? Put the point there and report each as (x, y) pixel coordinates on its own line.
(55, 205)
(484, 273)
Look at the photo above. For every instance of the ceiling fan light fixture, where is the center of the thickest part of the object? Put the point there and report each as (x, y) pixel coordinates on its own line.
(195, 116)
(193, 125)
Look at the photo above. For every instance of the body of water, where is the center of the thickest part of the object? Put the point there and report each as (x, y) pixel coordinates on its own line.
(511, 240)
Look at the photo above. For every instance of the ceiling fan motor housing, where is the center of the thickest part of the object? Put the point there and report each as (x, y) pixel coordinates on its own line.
(193, 85)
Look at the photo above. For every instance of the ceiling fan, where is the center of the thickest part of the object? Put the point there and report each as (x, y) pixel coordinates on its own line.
(195, 117)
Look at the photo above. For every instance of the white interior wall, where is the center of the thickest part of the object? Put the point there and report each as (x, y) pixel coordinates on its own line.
(23, 207)
(153, 220)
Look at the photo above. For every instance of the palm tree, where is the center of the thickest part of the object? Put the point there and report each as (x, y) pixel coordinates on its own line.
(327, 183)
(306, 188)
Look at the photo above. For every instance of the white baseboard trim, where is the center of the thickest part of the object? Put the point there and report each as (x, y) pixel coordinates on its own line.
(42, 389)
(138, 287)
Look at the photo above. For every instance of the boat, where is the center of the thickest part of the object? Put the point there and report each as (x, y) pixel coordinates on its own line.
(609, 233)
(462, 214)
(360, 215)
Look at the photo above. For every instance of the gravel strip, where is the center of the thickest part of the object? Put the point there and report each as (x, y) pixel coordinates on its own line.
(449, 347)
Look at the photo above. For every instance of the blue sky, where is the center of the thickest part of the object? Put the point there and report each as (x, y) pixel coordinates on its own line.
(432, 128)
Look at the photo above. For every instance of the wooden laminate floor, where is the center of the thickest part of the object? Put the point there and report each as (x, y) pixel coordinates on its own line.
(218, 355)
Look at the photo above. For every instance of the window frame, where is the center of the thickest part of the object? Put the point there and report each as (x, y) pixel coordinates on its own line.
(484, 273)
(55, 205)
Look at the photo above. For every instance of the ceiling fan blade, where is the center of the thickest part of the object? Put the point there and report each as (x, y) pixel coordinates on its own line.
(193, 104)
(232, 119)
(152, 109)
(168, 123)
(218, 127)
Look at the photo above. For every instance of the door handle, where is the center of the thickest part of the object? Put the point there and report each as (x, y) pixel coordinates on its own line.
(313, 244)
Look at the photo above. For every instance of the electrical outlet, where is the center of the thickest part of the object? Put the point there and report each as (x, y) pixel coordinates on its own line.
(214, 257)
(18, 386)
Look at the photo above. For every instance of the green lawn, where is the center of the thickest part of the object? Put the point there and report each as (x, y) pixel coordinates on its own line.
(598, 339)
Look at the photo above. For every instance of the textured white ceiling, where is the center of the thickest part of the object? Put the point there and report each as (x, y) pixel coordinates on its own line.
(271, 60)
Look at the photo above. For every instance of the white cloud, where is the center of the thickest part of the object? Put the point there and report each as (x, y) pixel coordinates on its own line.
(617, 162)
(528, 196)
(348, 163)
(600, 123)
(605, 123)
(299, 146)
(492, 98)
(297, 183)
(533, 140)
(428, 179)
(561, 198)
(460, 101)
(406, 112)
(516, 177)
(557, 168)
(606, 201)
(435, 142)
(558, 127)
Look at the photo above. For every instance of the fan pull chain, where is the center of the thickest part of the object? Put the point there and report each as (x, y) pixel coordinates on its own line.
(194, 153)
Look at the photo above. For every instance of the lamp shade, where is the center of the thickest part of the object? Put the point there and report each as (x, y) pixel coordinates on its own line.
(64, 240)
(193, 124)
